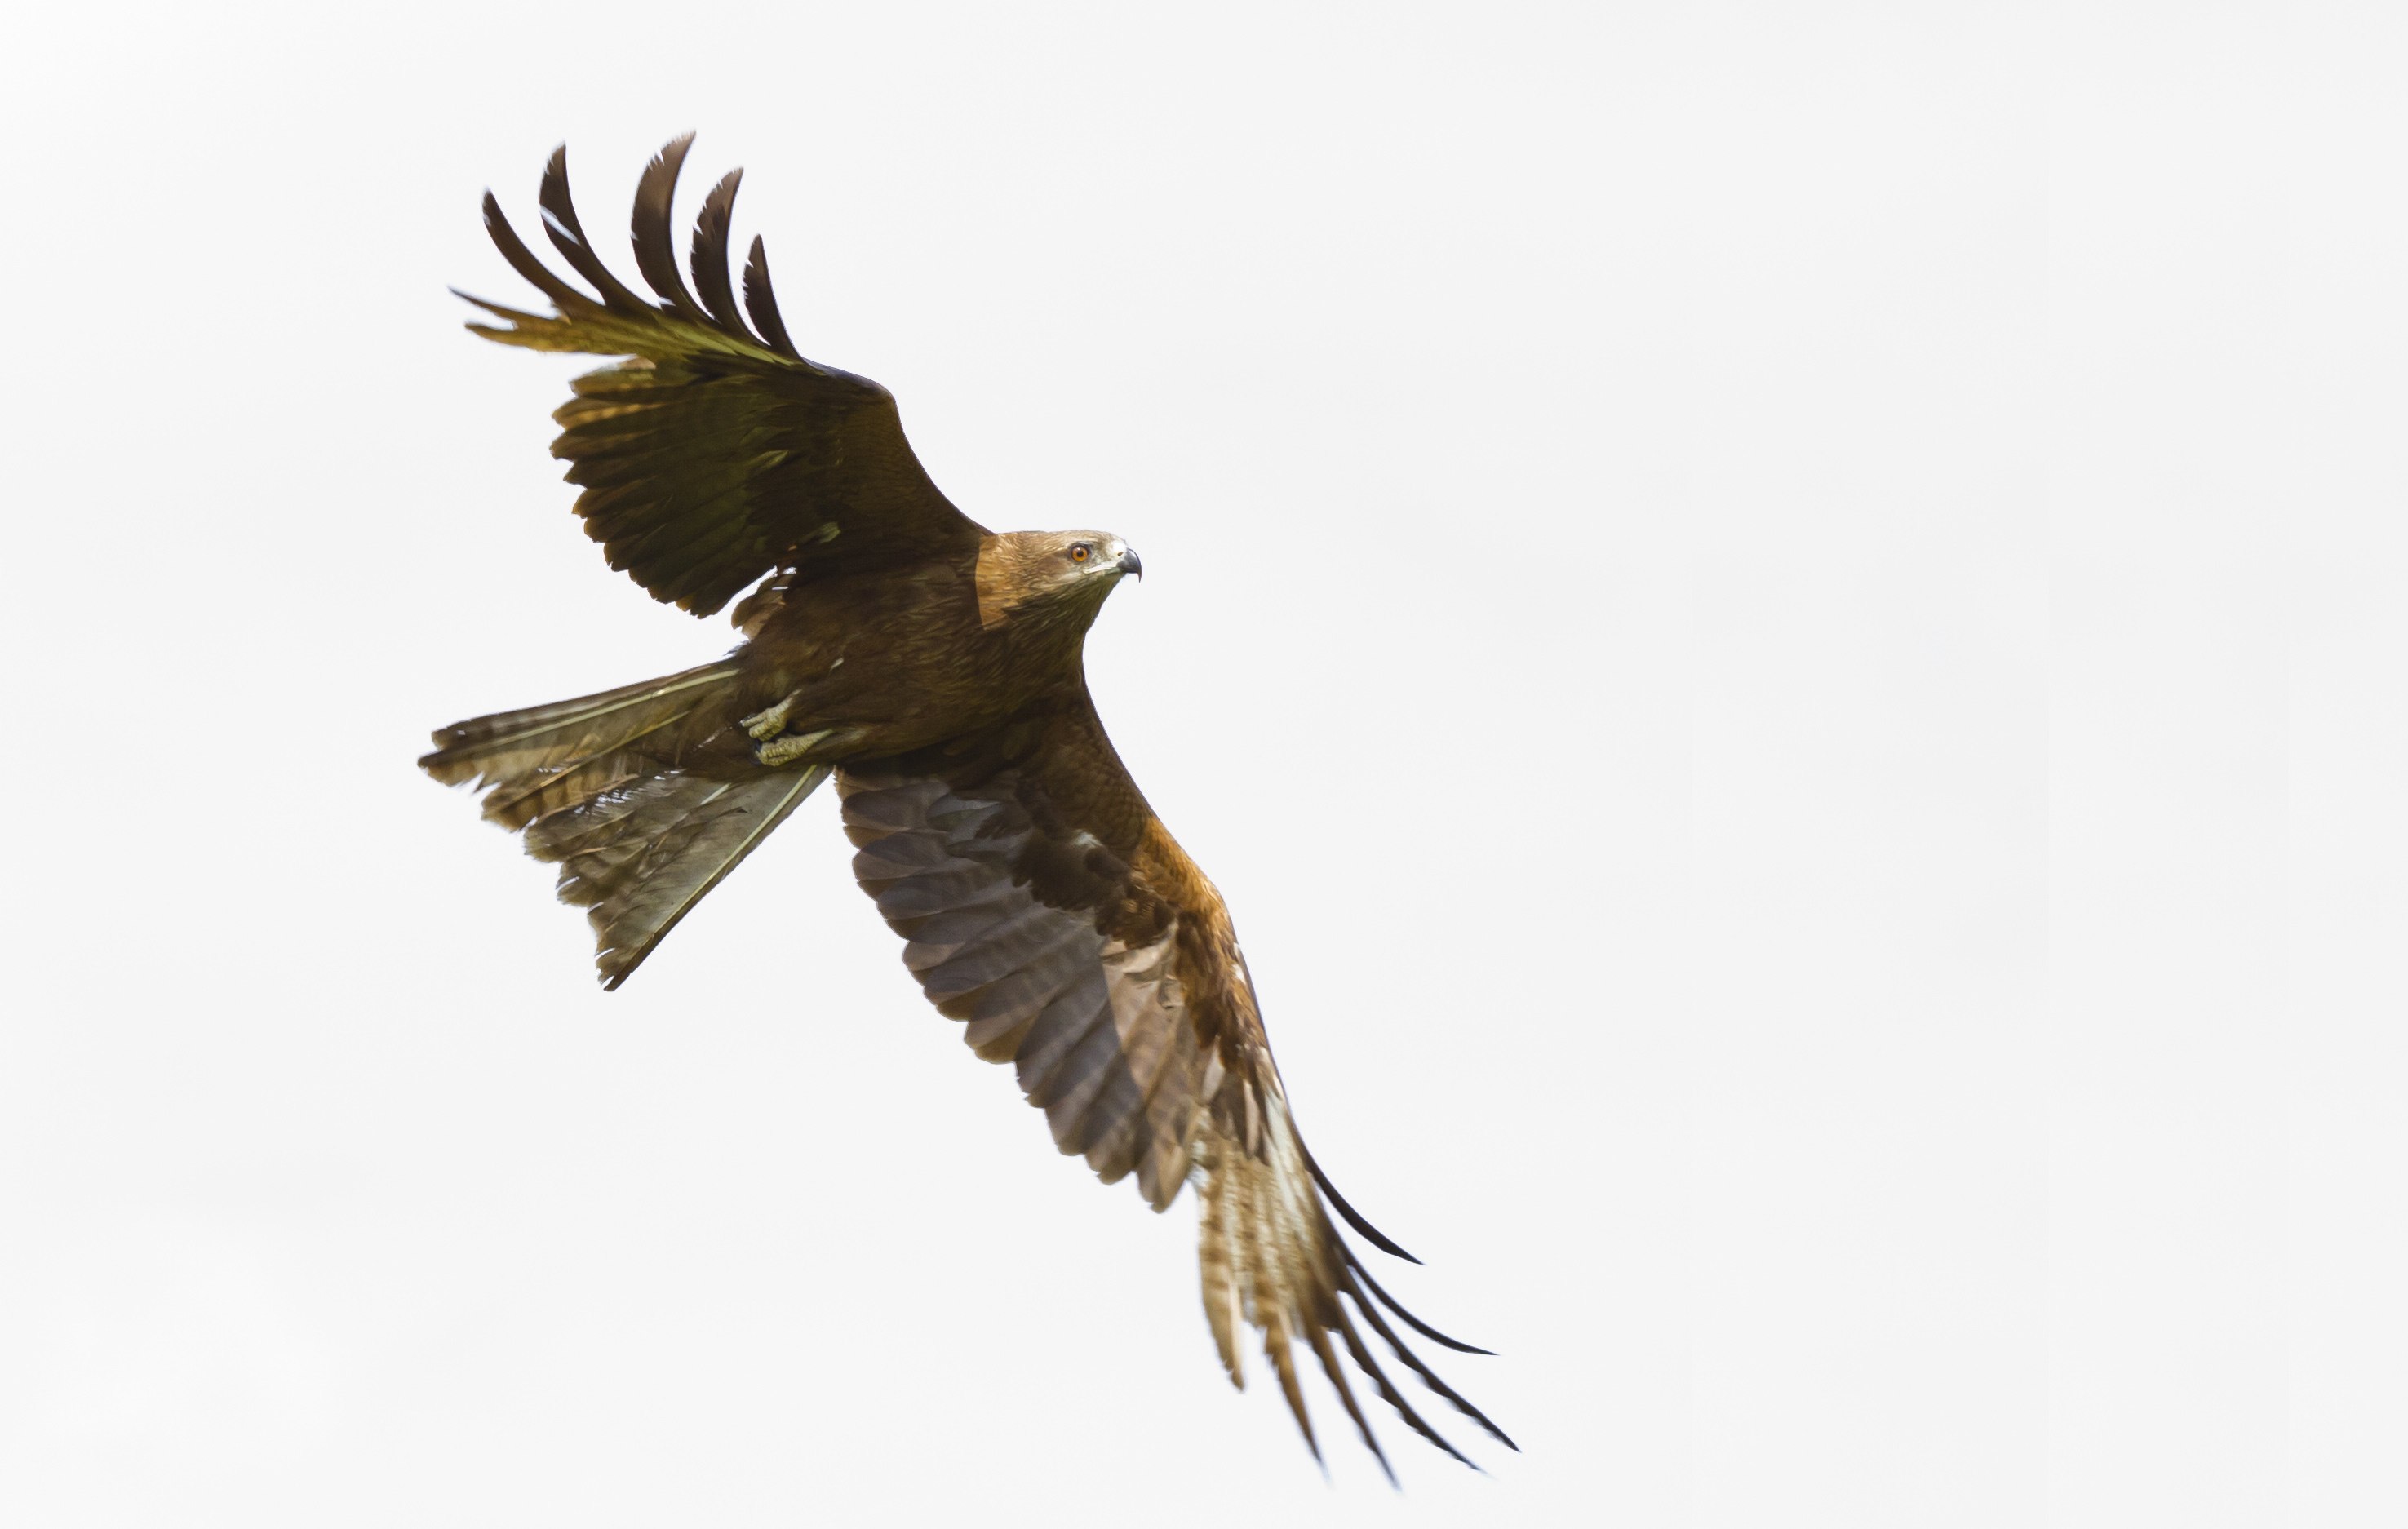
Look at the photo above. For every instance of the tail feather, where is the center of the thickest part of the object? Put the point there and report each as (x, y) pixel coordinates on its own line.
(545, 758)
(639, 857)
(601, 786)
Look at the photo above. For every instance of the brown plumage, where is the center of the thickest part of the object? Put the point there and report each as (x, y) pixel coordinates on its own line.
(934, 668)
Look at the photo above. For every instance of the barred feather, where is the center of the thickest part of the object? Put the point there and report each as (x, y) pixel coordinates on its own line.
(533, 760)
(597, 786)
(1101, 962)
(640, 856)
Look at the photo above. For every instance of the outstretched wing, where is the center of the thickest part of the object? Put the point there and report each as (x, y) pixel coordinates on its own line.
(1046, 906)
(713, 456)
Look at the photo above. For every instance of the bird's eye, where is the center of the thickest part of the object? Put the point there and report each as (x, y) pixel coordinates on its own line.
(1080, 552)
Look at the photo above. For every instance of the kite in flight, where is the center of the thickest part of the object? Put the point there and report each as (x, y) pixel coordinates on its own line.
(933, 667)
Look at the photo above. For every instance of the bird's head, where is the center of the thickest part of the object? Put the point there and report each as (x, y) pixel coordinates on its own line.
(1050, 574)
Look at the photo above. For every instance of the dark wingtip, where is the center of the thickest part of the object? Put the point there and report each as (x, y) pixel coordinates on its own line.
(1353, 1216)
(505, 239)
(1337, 1373)
(568, 235)
(1410, 1321)
(1395, 1399)
(655, 255)
(762, 303)
(1412, 1361)
(708, 259)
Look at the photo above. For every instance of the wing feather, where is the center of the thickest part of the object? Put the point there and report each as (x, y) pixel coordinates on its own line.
(1043, 904)
(713, 457)
(708, 259)
(563, 296)
(655, 256)
(761, 301)
(568, 237)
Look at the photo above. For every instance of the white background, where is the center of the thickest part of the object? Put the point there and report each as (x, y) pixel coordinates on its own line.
(1784, 631)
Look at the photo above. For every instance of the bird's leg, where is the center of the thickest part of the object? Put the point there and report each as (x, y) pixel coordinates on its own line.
(786, 751)
(764, 726)
(772, 745)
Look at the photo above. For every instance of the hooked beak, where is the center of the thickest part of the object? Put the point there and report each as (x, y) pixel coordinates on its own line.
(1130, 563)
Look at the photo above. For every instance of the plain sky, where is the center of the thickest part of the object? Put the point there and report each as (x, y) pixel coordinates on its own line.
(1783, 626)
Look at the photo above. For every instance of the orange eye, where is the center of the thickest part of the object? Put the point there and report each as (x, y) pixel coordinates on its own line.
(1080, 552)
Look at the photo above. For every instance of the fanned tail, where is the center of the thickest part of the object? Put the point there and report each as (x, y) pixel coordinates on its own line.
(639, 857)
(600, 785)
(546, 758)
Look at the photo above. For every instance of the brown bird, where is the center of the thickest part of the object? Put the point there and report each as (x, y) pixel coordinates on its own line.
(933, 667)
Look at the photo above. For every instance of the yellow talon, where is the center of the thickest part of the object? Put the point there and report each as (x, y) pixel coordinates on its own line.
(769, 723)
(786, 751)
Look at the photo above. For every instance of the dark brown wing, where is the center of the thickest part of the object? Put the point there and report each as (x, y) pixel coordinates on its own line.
(1045, 906)
(713, 456)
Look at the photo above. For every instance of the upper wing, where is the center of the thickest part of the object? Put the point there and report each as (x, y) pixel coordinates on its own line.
(1046, 904)
(712, 456)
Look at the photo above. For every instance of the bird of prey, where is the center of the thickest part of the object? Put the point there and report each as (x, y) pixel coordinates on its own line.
(933, 668)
